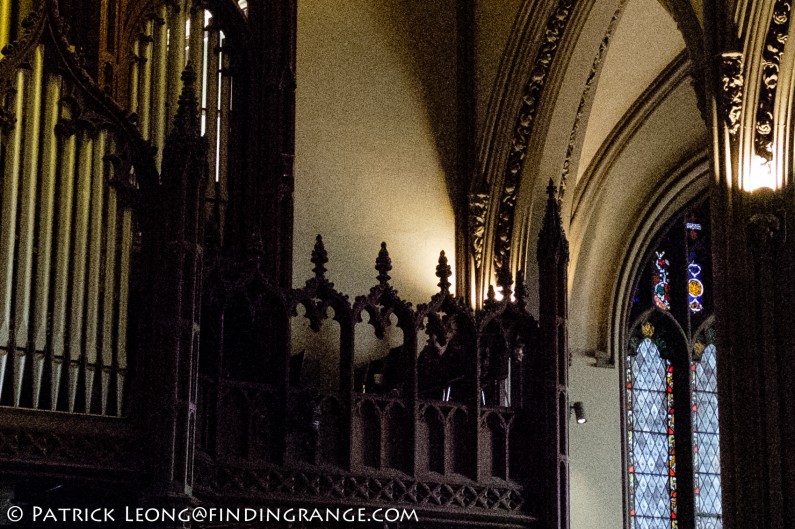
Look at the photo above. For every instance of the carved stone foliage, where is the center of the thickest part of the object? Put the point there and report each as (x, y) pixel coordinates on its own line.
(586, 92)
(478, 210)
(771, 60)
(524, 127)
(234, 482)
(731, 95)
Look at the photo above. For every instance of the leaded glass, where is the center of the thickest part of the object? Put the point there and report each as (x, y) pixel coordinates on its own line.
(706, 448)
(674, 292)
(649, 436)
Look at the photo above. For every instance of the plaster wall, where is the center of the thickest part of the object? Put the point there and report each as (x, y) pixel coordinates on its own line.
(375, 149)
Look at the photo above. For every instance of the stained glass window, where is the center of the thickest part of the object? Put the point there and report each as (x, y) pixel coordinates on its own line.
(650, 422)
(673, 466)
(706, 449)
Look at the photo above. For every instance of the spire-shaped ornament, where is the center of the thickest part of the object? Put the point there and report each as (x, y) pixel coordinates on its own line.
(551, 239)
(443, 272)
(319, 258)
(491, 299)
(504, 278)
(186, 119)
(383, 264)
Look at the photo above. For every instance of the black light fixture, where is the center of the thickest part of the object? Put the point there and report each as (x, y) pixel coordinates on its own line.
(578, 408)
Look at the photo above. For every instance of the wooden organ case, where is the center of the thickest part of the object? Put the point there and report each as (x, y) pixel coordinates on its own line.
(145, 322)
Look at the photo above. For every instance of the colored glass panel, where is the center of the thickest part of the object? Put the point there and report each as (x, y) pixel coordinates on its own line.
(660, 285)
(695, 286)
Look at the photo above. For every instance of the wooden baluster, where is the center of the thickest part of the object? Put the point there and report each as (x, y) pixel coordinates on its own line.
(49, 168)
(62, 261)
(94, 264)
(8, 229)
(109, 306)
(160, 74)
(124, 289)
(145, 95)
(27, 219)
(79, 257)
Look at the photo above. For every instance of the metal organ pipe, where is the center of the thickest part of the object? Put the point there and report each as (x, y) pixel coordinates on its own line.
(62, 259)
(46, 215)
(96, 230)
(160, 74)
(27, 220)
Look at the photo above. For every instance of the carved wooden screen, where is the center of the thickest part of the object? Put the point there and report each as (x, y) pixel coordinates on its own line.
(176, 34)
(66, 231)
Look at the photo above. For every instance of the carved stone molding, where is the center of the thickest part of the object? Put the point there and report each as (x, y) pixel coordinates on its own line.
(478, 210)
(524, 127)
(731, 94)
(771, 61)
(589, 84)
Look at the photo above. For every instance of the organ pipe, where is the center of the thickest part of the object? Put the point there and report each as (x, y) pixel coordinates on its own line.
(62, 261)
(110, 292)
(96, 232)
(124, 280)
(160, 74)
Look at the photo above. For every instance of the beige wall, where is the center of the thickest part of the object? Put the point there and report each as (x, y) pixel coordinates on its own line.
(375, 144)
(375, 154)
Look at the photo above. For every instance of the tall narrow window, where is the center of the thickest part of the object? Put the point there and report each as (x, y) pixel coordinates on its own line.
(670, 395)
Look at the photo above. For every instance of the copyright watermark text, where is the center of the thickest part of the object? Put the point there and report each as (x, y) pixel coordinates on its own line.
(43, 515)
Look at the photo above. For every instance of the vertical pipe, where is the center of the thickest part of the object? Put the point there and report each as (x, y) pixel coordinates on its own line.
(160, 72)
(144, 112)
(108, 305)
(27, 219)
(8, 229)
(219, 163)
(62, 261)
(94, 264)
(49, 167)
(176, 56)
(5, 24)
(135, 74)
(79, 258)
(211, 106)
(124, 288)
(196, 37)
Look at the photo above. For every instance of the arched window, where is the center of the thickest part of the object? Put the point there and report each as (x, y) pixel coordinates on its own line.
(670, 395)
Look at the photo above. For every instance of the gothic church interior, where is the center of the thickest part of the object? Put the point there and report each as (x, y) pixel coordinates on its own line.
(195, 200)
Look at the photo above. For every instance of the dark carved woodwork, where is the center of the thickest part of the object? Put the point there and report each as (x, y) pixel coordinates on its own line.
(458, 446)
(553, 258)
(174, 247)
(461, 427)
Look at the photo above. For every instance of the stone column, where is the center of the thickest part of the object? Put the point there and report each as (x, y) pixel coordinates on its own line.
(750, 88)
